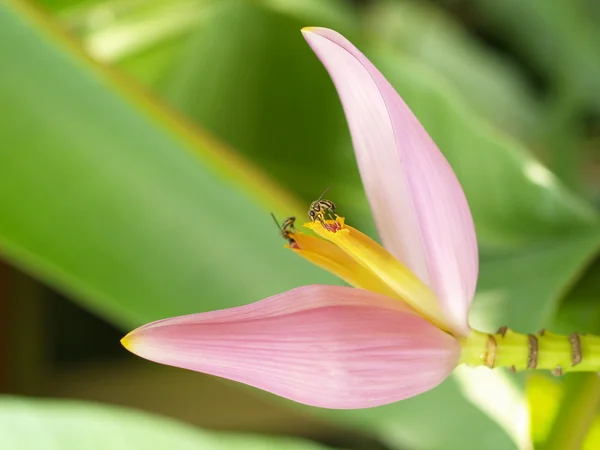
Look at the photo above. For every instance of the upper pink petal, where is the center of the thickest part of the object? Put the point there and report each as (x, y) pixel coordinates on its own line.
(418, 204)
(327, 346)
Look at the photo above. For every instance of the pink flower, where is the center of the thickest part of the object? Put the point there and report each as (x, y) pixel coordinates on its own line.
(397, 332)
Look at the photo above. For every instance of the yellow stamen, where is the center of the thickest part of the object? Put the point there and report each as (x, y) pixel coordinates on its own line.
(376, 260)
(329, 257)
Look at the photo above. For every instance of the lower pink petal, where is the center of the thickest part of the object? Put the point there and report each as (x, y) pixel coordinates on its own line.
(327, 346)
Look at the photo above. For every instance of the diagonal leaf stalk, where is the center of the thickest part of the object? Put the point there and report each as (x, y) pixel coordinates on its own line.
(577, 412)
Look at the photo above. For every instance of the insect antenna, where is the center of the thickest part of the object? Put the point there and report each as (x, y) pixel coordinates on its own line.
(324, 192)
(277, 222)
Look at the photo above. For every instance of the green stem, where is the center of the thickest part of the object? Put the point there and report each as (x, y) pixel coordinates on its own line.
(544, 350)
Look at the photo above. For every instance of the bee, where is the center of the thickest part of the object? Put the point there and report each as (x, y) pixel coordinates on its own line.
(286, 228)
(320, 207)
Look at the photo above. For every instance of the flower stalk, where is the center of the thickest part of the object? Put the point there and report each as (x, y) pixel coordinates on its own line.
(576, 352)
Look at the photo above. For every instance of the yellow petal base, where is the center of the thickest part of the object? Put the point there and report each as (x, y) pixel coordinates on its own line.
(362, 262)
(331, 258)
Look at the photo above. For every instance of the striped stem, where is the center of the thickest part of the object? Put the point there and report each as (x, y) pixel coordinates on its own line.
(543, 350)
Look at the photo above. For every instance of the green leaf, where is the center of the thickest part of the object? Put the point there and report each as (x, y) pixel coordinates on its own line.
(264, 92)
(143, 39)
(58, 5)
(580, 312)
(27, 424)
(564, 411)
(436, 420)
(544, 394)
(114, 30)
(558, 37)
(491, 85)
(576, 412)
(104, 195)
(522, 288)
(293, 107)
(150, 67)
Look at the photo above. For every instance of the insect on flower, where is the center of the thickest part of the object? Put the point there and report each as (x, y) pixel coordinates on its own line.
(321, 209)
(286, 229)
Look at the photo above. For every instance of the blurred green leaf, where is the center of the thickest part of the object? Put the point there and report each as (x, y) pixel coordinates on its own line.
(544, 394)
(440, 419)
(165, 60)
(490, 84)
(109, 202)
(564, 411)
(559, 40)
(523, 288)
(559, 37)
(150, 67)
(250, 78)
(580, 312)
(57, 5)
(576, 412)
(592, 440)
(27, 424)
(113, 30)
(142, 38)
